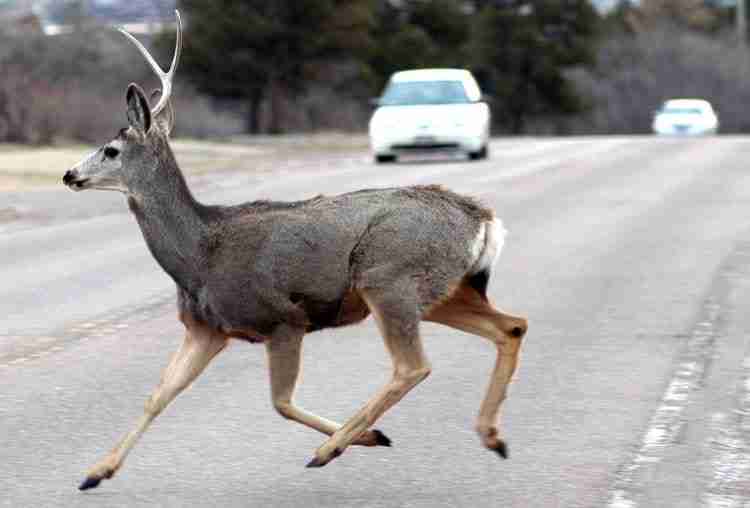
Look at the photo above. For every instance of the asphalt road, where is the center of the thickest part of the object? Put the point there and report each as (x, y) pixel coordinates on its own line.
(630, 256)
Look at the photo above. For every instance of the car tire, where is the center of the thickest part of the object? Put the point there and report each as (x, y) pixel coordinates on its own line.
(383, 159)
(483, 153)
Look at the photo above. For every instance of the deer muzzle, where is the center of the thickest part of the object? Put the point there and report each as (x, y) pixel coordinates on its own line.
(74, 182)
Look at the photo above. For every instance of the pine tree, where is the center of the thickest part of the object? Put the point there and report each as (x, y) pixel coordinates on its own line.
(418, 34)
(265, 48)
(520, 49)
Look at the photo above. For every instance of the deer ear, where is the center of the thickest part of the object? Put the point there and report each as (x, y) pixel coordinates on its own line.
(164, 119)
(139, 112)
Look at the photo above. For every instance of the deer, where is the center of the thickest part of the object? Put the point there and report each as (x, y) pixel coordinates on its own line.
(271, 272)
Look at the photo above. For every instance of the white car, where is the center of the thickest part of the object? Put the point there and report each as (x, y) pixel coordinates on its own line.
(685, 117)
(430, 109)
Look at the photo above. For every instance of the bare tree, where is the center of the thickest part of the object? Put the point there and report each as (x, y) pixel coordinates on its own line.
(637, 72)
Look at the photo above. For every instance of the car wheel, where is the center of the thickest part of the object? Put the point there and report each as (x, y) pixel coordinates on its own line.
(483, 153)
(381, 159)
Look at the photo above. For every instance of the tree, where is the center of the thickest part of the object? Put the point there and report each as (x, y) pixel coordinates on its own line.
(267, 48)
(417, 33)
(520, 49)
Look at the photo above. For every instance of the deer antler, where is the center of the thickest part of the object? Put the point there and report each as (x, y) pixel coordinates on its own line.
(165, 77)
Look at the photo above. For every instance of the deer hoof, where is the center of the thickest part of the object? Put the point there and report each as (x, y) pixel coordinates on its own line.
(501, 448)
(316, 462)
(381, 439)
(319, 462)
(89, 483)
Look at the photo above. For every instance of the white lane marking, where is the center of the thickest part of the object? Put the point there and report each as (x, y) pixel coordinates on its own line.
(730, 464)
(666, 423)
(619, 500)
(730, 482)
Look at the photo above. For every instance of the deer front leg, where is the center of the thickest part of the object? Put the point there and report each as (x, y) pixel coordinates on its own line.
(197, 350)
(399, 326)
(284, 359)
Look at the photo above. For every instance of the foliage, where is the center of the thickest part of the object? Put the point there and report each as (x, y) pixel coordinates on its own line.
(309, 64)
(519, 51)
(36, 72)
(72, 87)
(273, 50)
(637, 72)
(417, 34)
(266, 48)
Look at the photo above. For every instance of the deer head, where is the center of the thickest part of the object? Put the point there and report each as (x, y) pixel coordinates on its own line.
(131, 162)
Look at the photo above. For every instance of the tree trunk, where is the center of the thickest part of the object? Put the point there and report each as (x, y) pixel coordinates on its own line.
(253, 112)
(517, 122)
(522, 104)
(274, 92)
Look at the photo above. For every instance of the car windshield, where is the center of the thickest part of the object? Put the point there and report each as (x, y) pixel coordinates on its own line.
(412, 93)
(681, 111)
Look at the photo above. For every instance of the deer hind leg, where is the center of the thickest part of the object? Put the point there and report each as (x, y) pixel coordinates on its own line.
(284, 359)
(398, 323)
(470, 312)
(197, 350)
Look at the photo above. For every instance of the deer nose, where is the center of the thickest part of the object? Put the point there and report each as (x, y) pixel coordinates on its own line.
(70, 176)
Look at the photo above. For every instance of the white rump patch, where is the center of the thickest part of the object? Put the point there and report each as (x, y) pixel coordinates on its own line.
(487, 245)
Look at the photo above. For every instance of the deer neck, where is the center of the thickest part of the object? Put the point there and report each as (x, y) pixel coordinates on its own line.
(174, 224)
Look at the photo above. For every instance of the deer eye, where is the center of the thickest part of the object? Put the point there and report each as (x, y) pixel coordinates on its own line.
(111, 152)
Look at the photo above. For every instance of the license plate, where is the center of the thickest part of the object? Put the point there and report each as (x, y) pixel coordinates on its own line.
(424, 140)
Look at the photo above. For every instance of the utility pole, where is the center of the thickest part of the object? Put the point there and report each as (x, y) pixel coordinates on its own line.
(741, 22)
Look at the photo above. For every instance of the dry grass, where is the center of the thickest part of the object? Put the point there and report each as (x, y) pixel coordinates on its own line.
(24, 168)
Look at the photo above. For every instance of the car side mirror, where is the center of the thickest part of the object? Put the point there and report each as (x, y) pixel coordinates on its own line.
(375, 102)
